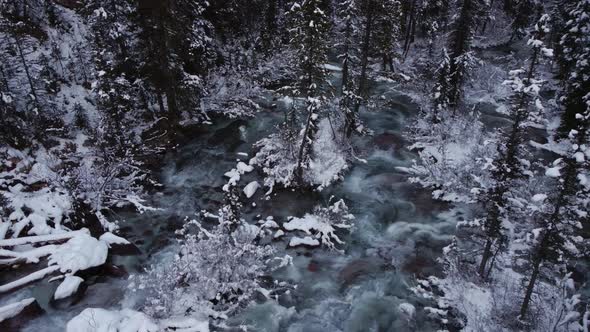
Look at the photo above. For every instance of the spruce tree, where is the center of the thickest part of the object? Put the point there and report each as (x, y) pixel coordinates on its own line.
(460, 49)
(556, 238)
(508, 166)
(573, 58)
(309, 28)
(176, 52)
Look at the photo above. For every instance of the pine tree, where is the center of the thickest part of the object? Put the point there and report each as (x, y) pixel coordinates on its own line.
(433, 19)
(441, 88)
(114, 79)
(176, 52)
(309, 28)
(524, 13)
(508, 166)
(348, 33)
(460, 53)
(556, 239)
(377, 20)
(387, 31)
(573, 58)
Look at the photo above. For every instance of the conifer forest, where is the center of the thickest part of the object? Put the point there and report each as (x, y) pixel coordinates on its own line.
(295, 165)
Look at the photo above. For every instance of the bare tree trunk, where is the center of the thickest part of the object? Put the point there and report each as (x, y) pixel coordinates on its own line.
(487, 253)
(28, 74)
(304, 144)
(344, 84)
(364, 65)
(410, 29)
(4, 77)
(529, 290)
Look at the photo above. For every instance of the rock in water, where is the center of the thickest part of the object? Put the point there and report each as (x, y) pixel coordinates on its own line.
(16, 315)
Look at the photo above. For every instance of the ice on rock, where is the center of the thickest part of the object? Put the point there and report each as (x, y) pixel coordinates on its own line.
(67, 287)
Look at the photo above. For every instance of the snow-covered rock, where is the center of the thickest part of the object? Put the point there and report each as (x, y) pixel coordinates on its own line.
(308, 241)
(67, 287)
(110, 238)
(101, 320)
(407, 309)
(250, 188)
(79, 253)
(13, 309)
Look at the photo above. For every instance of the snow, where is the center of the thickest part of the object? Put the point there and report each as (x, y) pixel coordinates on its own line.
(244, 168)
(110, 238)
(553, 172)
(331, 67)
(45, 204)
(539, 197)
(407, 309)
(29, 278)
(79, 253)
(186, 324)
(328, 162)
(322, 224)
(13, 309)
(235, 173)
(67, 287)
(101, 320)
(308, 241)
(250, 188)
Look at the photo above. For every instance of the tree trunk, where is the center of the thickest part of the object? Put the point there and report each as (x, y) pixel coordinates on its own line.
(28, 74)
(304, 143)
(364, 64)
(487, 254)
(529, 290)
(410, 29)
(344, 84)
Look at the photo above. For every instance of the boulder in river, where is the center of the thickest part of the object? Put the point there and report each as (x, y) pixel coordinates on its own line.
(357, 269)
(16, 315)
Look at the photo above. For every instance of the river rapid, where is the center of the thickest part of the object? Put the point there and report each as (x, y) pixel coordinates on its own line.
(398, 234)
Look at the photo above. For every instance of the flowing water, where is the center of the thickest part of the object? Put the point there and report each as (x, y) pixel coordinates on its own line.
(398, 234)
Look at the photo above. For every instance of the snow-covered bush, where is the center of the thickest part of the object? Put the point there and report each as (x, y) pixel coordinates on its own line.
(231, 92)
(276, 156)
(321, 225)
(276, 70)
(216, 272)
(455, 155)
